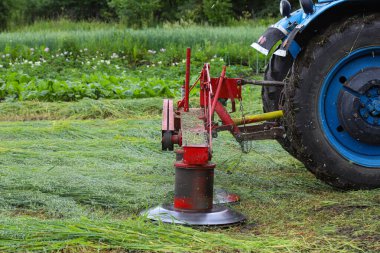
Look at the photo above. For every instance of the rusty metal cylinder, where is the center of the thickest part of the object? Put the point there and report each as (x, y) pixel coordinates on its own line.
(194, 187)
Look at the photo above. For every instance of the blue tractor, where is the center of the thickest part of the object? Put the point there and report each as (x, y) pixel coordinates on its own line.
(328, 55)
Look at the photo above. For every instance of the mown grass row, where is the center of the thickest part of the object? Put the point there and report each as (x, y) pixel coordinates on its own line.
(85, 109)
(27, 234)
(81, 110)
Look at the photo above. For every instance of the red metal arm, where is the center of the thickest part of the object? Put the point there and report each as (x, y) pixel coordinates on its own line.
(187, 81)
(218, 89)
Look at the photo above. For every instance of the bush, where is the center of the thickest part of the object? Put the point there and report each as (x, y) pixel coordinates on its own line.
(5, 8)
(135, 13)
(218, 12)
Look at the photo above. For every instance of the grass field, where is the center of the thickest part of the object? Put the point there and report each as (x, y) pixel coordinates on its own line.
(229, 42)
(70, 184)
(80, 155)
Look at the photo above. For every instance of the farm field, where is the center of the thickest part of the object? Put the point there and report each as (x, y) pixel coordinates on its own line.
(80, 151)
(68, 61)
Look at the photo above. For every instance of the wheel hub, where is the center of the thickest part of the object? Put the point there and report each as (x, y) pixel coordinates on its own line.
(370, 104)
(359, 106)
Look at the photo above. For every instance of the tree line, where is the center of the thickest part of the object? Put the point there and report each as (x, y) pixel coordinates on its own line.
(136, 13)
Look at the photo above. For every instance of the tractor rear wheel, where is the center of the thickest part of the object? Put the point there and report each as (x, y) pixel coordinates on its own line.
(332, 104)
(277, 70)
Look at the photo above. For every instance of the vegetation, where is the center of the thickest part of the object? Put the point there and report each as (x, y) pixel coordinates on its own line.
(80, 148)
(136, 13)
(132, 234)
(57, 62)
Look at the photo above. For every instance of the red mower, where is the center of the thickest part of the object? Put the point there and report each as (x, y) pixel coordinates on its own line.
(193, 129)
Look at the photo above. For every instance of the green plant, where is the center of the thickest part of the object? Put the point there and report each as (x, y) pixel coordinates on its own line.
(64, 62)
(135, 12)
(218, 12)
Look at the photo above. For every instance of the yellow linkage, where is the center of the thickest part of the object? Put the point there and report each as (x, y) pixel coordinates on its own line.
(259, 118)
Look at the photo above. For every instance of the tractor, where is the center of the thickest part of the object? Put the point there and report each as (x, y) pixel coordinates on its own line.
(330, 61)
(321, 99)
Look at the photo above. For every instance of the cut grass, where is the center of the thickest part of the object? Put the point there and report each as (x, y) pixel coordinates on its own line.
(83, 109)
(105, 108)
(75, 185)
(132, 234)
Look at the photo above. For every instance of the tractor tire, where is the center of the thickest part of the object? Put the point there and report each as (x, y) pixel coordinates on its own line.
(277, 70)
(332, 104)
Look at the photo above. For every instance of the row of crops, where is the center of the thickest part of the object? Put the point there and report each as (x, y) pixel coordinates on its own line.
(65, 63)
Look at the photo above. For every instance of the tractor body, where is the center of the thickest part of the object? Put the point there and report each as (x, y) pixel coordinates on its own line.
(328, 55)
(296, 29)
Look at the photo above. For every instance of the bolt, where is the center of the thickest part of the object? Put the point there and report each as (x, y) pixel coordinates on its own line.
(356, 115)
(366, 115)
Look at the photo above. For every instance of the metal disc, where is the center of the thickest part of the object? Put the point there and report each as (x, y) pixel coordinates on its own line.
(219, 215)
(223, 197)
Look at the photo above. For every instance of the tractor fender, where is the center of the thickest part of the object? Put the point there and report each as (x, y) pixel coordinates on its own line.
(300, 27)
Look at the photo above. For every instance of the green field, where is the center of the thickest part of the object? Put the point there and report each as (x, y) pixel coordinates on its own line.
(80, 162)
(68, 61)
